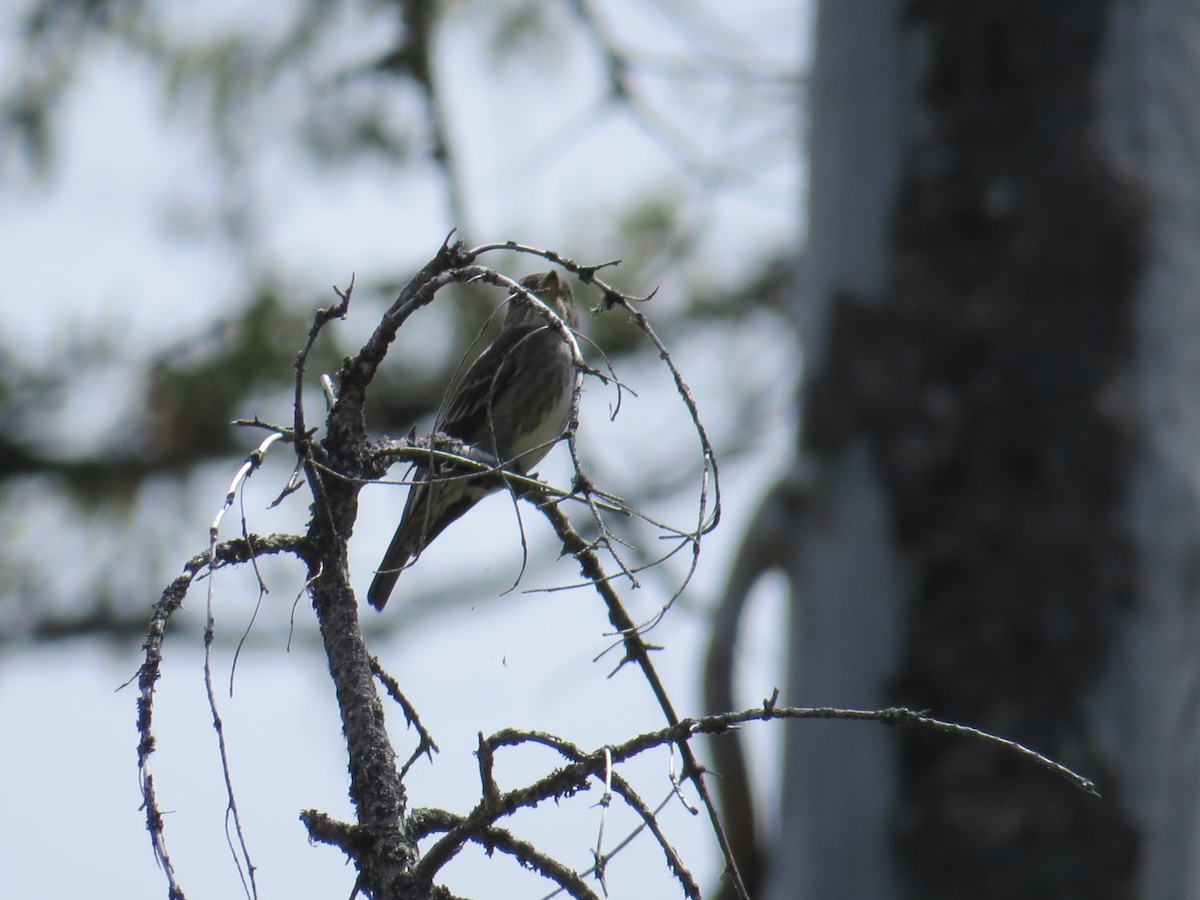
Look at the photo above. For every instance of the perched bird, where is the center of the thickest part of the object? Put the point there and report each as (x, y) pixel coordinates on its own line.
(513, 403)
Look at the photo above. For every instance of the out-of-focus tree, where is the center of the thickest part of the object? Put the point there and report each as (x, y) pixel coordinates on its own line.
(994, 511)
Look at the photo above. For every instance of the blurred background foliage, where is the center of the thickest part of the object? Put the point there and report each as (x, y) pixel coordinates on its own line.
(108, 441)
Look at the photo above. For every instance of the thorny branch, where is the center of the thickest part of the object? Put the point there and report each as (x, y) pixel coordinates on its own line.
(582, 766)
(426, 822)
(382, 841)
(638, 652)
(230, 552)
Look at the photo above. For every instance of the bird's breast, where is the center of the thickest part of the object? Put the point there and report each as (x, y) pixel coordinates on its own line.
(544, 407)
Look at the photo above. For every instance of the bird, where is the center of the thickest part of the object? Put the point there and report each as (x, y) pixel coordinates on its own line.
(513, 403)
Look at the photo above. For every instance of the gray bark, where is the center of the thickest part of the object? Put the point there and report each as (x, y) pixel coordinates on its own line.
(1000, 421)
(838, 777)
(1148, 708)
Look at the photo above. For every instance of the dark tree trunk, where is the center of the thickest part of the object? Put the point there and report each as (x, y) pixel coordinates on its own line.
(986, 385)
(982, 417)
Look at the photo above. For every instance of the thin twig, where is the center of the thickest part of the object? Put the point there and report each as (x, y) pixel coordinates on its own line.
(425, 744)
(638, 652)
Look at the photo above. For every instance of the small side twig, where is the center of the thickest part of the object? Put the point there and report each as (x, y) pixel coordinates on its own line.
(425, 743)
(424, 822)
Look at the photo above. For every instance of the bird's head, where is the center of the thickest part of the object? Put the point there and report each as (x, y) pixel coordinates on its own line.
(553, 290)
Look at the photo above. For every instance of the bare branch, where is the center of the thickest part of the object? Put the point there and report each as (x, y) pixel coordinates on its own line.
(235, 551)
(896, 716)
(638, 652)
(336, 468)
(425, 745)
(425, 822)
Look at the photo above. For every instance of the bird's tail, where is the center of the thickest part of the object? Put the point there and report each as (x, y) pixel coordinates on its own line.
(431, 507)
(399, 552)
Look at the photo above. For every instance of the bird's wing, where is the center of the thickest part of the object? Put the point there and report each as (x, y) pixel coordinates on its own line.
(466, 416)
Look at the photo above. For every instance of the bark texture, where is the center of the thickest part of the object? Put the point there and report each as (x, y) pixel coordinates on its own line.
(983, 393)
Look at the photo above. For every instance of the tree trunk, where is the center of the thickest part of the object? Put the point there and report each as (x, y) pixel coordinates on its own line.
(1000, 420)
(1147, 709)
(839, 779)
